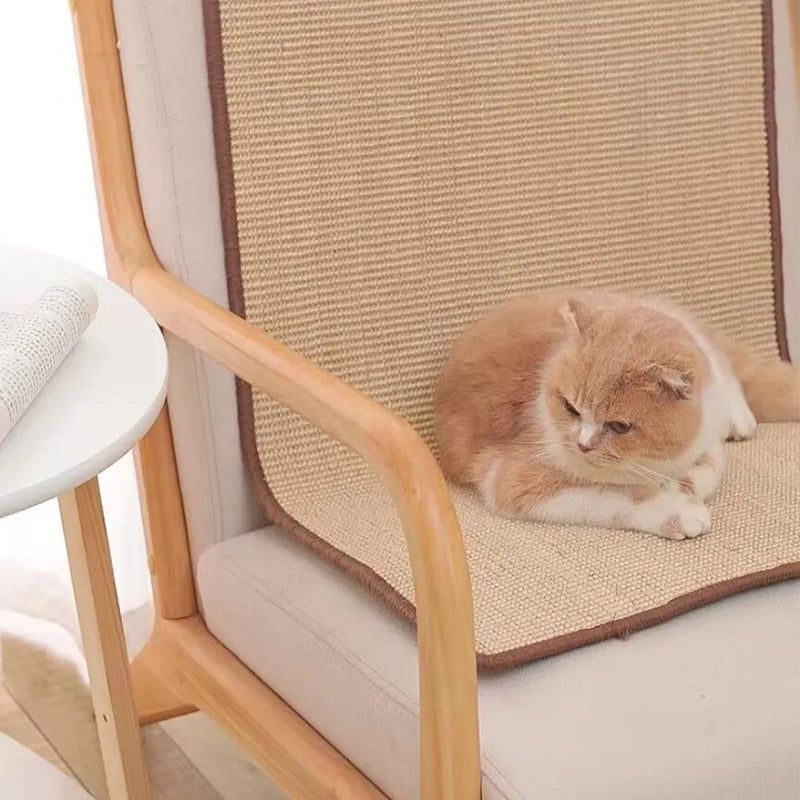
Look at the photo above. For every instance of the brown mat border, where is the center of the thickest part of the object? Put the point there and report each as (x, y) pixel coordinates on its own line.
(374, 582)
(771, 125)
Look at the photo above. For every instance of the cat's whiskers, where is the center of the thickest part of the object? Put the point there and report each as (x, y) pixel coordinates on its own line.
(655, 473)
(633, 468)
(650, 475)
(633, 472)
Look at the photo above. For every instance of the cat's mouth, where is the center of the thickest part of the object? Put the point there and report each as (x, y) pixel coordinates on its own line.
(592, 456)
(595, 458)
(592, 465)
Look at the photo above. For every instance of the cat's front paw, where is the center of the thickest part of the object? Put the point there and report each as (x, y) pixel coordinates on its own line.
(743, 423)
(688, 519)
(702, 480)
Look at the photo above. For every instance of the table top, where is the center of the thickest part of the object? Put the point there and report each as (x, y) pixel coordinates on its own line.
(27, 775)
(102, 399)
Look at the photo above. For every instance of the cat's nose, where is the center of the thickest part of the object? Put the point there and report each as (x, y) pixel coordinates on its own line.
(588, 436)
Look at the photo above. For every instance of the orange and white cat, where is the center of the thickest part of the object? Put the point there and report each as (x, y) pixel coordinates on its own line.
(600, 409)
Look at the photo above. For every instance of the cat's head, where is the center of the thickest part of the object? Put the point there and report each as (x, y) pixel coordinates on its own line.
(624, 391)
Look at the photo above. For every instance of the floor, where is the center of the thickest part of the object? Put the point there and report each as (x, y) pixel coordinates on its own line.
(189, 757)
(14, 723)
(224, 773)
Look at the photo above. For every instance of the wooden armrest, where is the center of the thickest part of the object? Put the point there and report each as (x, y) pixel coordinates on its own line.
(405, 465)
(449, 746)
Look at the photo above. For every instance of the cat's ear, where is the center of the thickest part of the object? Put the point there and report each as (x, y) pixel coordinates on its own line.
(677, 379)
(576, 315)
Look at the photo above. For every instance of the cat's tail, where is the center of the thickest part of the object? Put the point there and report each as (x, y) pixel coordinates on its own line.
(772, 387)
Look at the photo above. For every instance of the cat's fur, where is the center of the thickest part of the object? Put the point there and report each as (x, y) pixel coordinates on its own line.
(506, 403)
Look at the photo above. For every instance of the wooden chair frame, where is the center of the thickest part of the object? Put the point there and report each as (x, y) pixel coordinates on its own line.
(183, 666)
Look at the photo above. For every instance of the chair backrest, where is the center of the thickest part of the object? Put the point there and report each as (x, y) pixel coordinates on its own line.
(395, 169)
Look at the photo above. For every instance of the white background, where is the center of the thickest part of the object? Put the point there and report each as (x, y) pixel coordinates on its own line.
(47, 201)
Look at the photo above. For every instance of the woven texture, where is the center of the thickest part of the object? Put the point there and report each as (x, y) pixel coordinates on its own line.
(399, 168)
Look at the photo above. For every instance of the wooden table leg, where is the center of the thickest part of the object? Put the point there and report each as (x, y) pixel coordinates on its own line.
(104, 642)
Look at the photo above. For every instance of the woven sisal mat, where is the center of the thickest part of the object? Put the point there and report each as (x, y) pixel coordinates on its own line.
(388, 170)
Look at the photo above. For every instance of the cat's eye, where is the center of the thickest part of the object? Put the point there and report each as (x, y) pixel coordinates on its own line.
(619, 427)
(570, 408)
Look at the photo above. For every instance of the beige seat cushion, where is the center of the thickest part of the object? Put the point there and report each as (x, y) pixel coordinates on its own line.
(704, 707)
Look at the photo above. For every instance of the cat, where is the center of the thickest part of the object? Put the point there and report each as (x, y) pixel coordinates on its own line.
(600, 409)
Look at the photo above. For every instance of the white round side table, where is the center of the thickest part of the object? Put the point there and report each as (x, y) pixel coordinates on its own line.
(101, 402)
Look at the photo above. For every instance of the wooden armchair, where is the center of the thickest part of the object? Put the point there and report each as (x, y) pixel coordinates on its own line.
(185, 666)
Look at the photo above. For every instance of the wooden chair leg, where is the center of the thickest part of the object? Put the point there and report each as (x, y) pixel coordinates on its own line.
(104, 643)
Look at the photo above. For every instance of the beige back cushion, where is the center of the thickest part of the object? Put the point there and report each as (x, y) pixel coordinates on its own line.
(162, 49)
(163, 58)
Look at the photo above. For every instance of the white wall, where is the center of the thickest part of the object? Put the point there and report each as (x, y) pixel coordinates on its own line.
(47, 201)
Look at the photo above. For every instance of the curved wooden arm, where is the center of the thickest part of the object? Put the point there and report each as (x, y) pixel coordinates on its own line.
(450, 756)
(448, 684)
